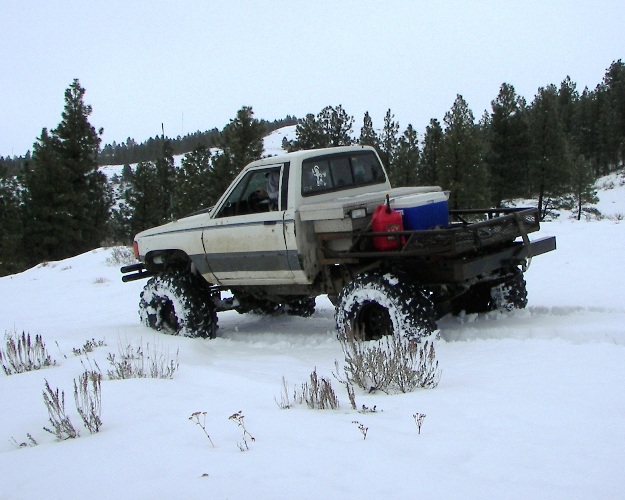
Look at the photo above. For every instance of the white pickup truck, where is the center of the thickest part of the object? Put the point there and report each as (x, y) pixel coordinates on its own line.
(327, 221)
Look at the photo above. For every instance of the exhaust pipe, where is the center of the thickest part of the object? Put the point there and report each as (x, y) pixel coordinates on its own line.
(139, 272)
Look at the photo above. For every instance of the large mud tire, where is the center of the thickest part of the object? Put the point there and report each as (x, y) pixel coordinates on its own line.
(178, 303)
(375, 304)
(304, 307)
(504, 295)
(510, 295)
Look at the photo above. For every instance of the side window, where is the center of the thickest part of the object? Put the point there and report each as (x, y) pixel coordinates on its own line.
(257, 192)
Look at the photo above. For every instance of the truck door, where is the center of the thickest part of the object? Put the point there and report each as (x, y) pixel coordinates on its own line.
(245, 240)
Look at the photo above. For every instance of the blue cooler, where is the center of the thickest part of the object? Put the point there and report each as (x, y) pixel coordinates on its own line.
(423, 211)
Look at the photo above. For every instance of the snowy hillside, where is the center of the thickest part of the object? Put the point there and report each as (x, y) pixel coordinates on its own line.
(531, 404)
(272, 147)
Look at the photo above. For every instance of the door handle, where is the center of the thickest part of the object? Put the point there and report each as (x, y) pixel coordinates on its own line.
(269, 223)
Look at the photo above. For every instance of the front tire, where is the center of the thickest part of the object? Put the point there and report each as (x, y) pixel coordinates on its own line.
(179, 303)
(376, 304)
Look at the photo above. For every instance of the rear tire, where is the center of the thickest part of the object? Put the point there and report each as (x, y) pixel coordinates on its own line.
(511, 294)
(304, 307)
(376, 304)
(504, 294)
(179, 303)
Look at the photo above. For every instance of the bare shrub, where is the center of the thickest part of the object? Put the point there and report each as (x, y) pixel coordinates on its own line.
(195, 417)
(238, 418)
(140, 362)
(418, 419)
(120, 256)
(391, 364)
(285, 400)
(62, 426)
(88, 346)
(319, 394)
(351, 394)
(22, 355)
(361, 427)
(30, 443)
(88, 398)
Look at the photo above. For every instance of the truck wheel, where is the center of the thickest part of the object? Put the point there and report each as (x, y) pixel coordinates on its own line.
(511, 294)
(506, 295)
(178, 303)
(304, 307)
(374, 305)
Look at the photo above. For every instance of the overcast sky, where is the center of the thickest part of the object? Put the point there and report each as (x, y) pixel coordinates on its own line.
(191, 65)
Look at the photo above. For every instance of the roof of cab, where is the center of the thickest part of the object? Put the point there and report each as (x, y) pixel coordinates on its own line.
(308, 153)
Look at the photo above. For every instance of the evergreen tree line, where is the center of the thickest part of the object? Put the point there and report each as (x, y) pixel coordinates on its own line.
(61, 204)
(131, 152)
(551, 149)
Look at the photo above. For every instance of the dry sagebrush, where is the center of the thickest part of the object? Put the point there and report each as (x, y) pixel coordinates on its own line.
(391, 364)
(21, 354)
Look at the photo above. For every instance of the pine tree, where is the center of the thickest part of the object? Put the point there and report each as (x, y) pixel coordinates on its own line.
(388, 141)
(428, 165)
(242, 138)
(331, 127)
(241, 143)
(607, 140)
(508, 139)
(405, 164)
(143, 207)
(67, 200)
(11, 254)
(192, 183)
(368, 137)
(614, 87)
(460, 164)
(308, 134)
(587, 138)
(336, 125)
(568, 98)
(582, 184)
(165, 171)
(549, 153)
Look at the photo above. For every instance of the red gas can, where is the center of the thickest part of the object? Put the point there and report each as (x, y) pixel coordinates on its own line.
(387, 220)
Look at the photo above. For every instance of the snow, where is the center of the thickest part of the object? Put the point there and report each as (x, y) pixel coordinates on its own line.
(531, 404)
(273, 142)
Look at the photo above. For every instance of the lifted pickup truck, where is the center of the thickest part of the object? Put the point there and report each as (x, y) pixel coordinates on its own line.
(327, 221)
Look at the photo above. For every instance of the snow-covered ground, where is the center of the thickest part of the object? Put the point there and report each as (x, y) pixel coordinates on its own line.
(531, 404)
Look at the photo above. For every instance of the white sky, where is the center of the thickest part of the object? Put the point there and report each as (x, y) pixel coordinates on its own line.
(192, 64)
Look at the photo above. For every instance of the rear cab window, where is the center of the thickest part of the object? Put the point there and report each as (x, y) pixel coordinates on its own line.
(342, 171)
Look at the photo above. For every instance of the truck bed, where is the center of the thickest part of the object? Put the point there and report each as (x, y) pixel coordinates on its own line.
(461, 238)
